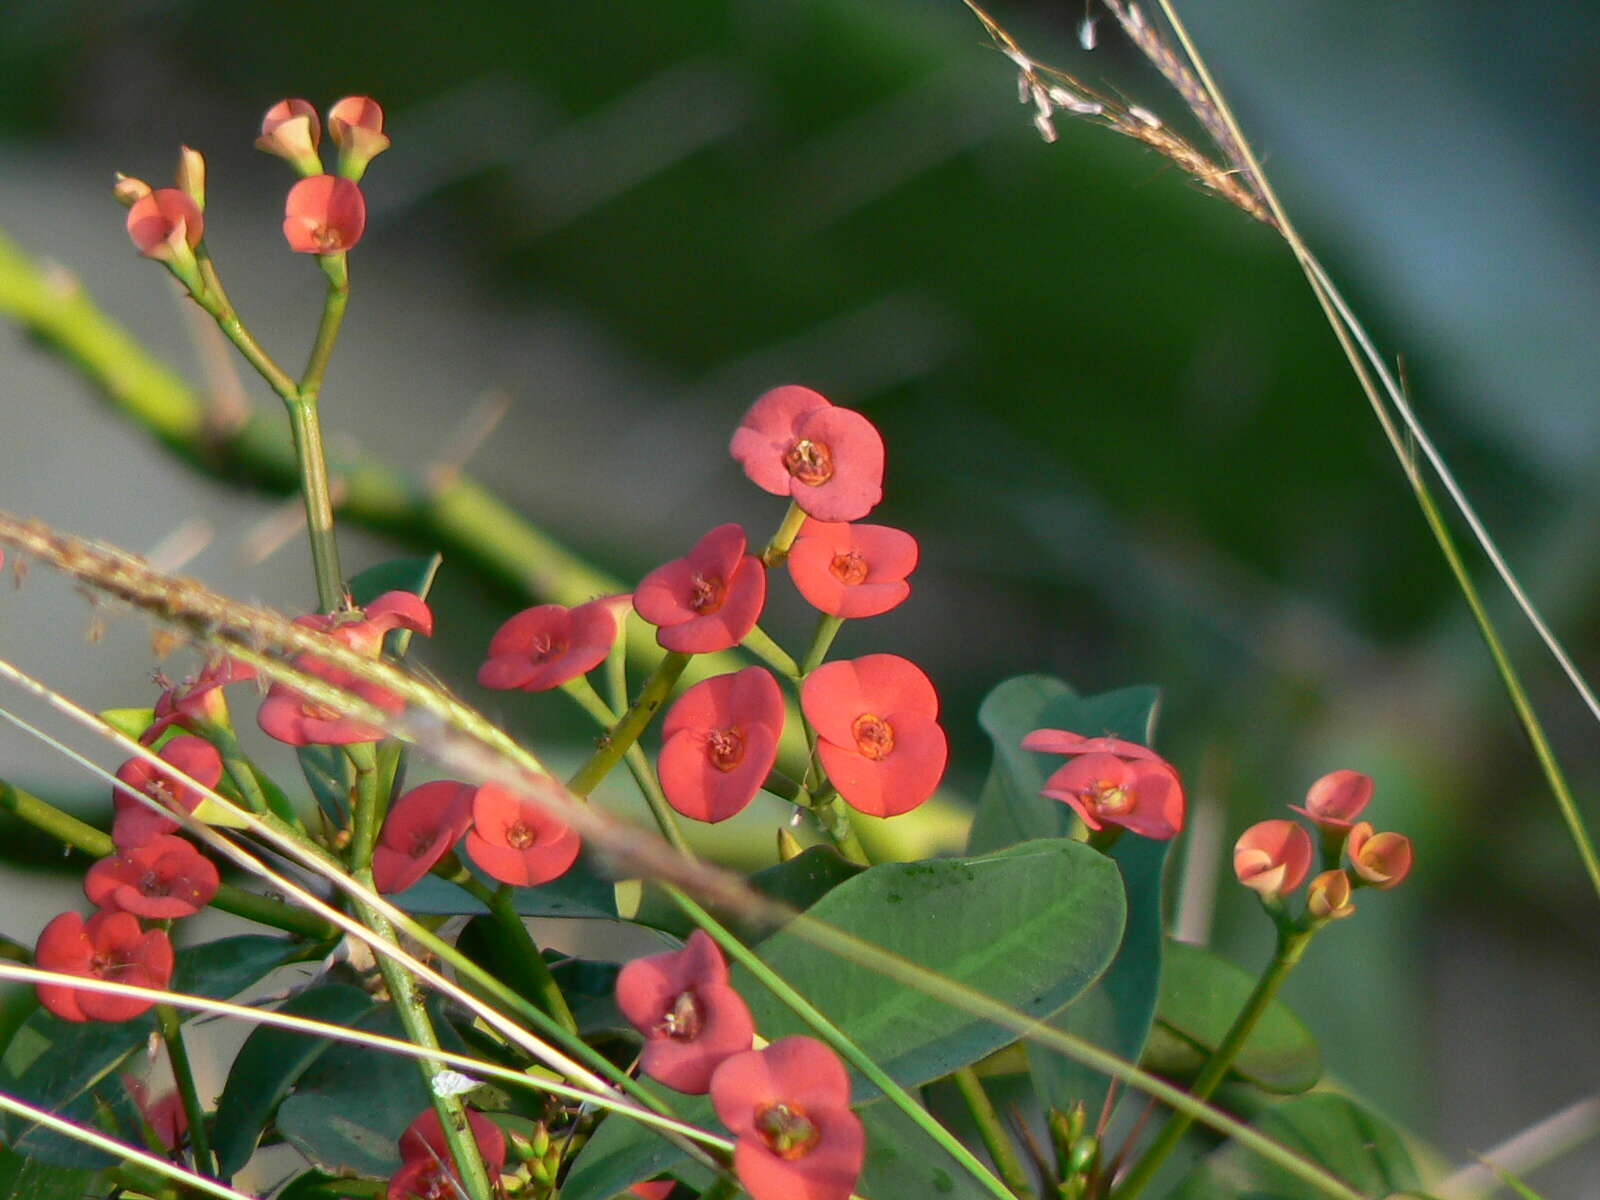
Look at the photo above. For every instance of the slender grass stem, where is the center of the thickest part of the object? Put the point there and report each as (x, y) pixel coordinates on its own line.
(171, 1028)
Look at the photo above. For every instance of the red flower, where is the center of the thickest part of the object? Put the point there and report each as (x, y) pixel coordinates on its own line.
(427, 1172)
(166, 225)
(542, 648)
(291, 131)
(163, 878)
(136, 823)
(789, 1108)
(1382, 860)
(1336, 800)
(290, 717)
(877, 734)
(852, 570)
(108, 946)
(421, 826)
(325, 214)
(1272, 857)
(516, 840)
(1113, 782)
(1328, 897)
(829, 460)
(356, 126)
(719, 741)
(652, 1189)
(692, 1020)
(198, 701)
(709, 599)
(164, 1115)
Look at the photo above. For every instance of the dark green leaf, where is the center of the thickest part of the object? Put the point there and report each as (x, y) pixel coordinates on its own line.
(26, 1178)
(268, 1065)
(1352, 1143)
(622, 1152)
(329, 777)
(800, 882)
(1201, 994)
(581, 892)
(903, 1161)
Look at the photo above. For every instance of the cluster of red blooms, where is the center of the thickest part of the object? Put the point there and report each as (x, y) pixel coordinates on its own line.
(324, 214)
(875, 716)
(1274, 857)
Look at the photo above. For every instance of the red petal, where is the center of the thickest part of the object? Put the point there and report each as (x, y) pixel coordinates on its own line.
(767, 431)
(857, 482)
(895, 784)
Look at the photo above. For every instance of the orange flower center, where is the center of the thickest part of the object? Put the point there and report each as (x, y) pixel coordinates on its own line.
(519, 836)
(329, 238)
(684, 1020)
(809, 462)
(787, 1131)
(706, 593)
(1107, 799)
(725, 748)
(849, 568)
(874, 736)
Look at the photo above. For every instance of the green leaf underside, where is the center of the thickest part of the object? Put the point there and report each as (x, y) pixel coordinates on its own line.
(1352, 1143)
(351, 1105)
(1201, 994)
(268, 1065)
(1037, 924)
(59, 1066)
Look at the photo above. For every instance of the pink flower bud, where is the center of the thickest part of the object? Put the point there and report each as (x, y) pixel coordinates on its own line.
(324, 215)
(356, 126)
(291, 131)
(1328, 897)
(166, 225)
(1336, 800)
(128, 191)
(1272, 857)
(192, 176)
(1382, 860)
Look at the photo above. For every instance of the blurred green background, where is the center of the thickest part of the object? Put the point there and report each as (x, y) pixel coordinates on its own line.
(1115, 417)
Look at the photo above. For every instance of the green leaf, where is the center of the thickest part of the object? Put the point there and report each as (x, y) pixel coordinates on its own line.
(330, 778)
(581, 892)
(800, 882)
(903, 1161)
(1038, 923)
(1010, 809)
(351, 1105)
(1353, 1144)
(35, 1179)
(57, 1065)
(1201, 994)
(268, 1065)
(622, 1152)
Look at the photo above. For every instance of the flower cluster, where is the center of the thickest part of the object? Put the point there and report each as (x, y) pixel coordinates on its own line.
(787, 1105)
(426, 1170)
(1110, 781)
(1274, 857)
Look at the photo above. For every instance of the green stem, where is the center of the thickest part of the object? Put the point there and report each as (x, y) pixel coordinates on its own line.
(993, 1132)
(827, 629)
(616, 667)
(778, 548)
(759, 642)
(536, 981)
(834, 817)
(626, 732)
(649, 786)
(835, 1037)
(68, 829)
(1291, 946)
(367, 820)
(409, 1007)
(306, 428)
(337, 270)
(215, 301)
(171, 1027)
(724, 1188)
(238, 767)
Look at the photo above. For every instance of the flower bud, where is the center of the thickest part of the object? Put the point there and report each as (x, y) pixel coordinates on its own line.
(128, 190)
(356, 126)
(1382, 860)
(1328, 897)
(1334, 802)
(1272, 857)
(788, 845)
(192, 176)
(324, 215)
(166, 225)
(292, 132)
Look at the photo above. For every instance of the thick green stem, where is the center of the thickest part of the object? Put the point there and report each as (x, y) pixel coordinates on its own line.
(643, 774)
(337, 270)
(834, 817)
(307, 430)
(1291, 946)
(371, 802)
(535, 978)
(993, 1132)
(626, 732)
(827, 629)
(171, 1027)
(778, 548)
(66, 828)
(760, 643)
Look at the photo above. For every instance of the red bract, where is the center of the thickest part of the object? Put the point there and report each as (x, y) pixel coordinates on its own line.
(795, 442)
(197, 701)
(516, 840)
(291, 131)
(1336, 800)
(1272, 857)
(1381, 860)
(164, 1115)
(135, 822)
(709, 599)
(165, 877)
(293, 718)
(427, 1172)
(108, 946)
(690, 1017)
(877, 734)
(789, 1108)
(356, 126)
(325, 214)
(652, 1189)
(543, 647)
(719, 741)
(421, 826)
(852, 570)
(165, 224)
(1113, 782)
